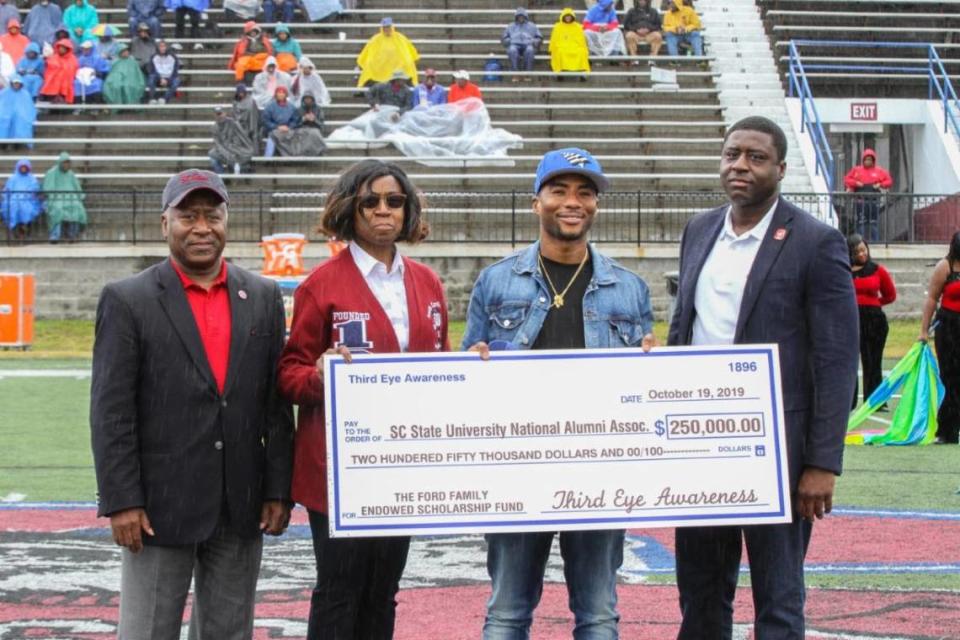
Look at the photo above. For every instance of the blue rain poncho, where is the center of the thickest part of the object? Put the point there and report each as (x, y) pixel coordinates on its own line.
(17, 111)
(20, 203)
(42, 22)
(93, 68)
(31, 69)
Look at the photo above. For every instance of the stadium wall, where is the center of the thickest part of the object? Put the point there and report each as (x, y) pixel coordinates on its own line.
(69, 278)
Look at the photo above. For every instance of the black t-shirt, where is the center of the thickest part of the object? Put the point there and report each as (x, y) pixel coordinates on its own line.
(563, 327)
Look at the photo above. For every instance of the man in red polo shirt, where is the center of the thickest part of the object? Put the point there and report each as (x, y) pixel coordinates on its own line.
(191, 443)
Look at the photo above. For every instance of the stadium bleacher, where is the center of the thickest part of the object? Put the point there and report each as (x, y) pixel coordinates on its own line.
(648, 139)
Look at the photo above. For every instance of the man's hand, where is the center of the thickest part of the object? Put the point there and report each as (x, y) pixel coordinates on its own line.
(858, 183)
(274, 517)
(649, 342)
(283, 127)
(126, 526)
(482, 348)
(341, 350)
(815, 493)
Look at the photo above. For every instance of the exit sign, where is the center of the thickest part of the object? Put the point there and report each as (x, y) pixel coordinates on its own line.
(863, 111)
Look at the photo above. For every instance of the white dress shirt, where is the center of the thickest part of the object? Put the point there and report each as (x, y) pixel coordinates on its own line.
(387, 288)
(720, 285)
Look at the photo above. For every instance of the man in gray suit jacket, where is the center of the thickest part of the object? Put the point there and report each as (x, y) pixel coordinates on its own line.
(193, 447)
(760, 270)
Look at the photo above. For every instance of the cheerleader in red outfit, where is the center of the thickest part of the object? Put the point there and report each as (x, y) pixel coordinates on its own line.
(875, 289)
(366, 299)
(944, 288)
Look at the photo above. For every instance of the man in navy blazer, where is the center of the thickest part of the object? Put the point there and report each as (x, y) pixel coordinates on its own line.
(192, 444)
(760, 270)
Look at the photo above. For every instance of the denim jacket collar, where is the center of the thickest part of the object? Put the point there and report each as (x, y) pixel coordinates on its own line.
(603, 273)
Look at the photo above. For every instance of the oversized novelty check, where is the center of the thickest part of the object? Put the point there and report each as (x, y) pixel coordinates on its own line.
(555, 440)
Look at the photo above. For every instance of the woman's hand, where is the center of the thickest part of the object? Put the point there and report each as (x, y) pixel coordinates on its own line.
(339, 351)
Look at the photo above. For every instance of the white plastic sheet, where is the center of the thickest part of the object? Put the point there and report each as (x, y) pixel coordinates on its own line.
(447, 135)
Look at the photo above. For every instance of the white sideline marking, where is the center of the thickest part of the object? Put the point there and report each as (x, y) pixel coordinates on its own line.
(78, 374)
(13, 497)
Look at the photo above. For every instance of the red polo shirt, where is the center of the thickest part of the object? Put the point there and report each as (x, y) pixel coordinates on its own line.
(211, 311)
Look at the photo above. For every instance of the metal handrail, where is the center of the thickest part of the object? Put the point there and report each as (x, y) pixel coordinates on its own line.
(809, 116)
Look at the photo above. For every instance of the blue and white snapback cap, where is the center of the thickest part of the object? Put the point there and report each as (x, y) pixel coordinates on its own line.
(570, 160)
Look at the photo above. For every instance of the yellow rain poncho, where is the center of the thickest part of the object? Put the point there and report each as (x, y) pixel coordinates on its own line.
(384, 54)
(568, 45)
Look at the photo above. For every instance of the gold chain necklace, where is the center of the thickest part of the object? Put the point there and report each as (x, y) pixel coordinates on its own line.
(558, 297)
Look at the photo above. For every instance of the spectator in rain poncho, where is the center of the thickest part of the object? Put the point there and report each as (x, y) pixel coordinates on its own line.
(183, 9)
(247, 113)
(42, 22)
(428, 93)
(251, 52)
(395, 93)
(306, 139)
(385, 53)
(267, 82)
(309, 81)
(59, 75)
(163, 74)
(146, 12)
(92, 70)
(18, 113)
(108, 47)
(80, 18)
(462, 88)
(63, 200)
(125, 83)
(279, 117)
(7, 68)
(602, 29)
(286, 49)
(31, 68)
(522, 39)
(20, 204)
(142, 46)
(568, 45)
(8, 11)
(317, 10)
(233, 148)
(13, 41)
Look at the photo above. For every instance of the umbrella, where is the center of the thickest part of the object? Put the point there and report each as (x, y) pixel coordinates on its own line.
(104, 30)
(915, 419)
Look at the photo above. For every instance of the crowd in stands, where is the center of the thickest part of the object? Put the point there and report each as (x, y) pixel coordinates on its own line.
(59, 197)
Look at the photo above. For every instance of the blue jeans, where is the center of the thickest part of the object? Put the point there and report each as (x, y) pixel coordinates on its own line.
(153, 86)
(708, 564)
(284, 7)
(525, 53)
(691, 37)
(516, 562)
(152, 22)
(868, 218)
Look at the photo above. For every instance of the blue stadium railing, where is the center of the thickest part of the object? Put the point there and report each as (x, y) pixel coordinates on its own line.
(939, 86)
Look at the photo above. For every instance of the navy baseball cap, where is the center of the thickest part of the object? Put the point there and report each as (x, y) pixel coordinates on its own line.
(186, 182)
(570, 160)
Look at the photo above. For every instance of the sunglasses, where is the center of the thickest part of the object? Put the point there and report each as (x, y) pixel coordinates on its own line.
(393, 200)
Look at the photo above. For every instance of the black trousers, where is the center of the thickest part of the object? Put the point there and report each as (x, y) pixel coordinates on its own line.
(873, 337)
(357, 584)
(947, 341)
(181, 22)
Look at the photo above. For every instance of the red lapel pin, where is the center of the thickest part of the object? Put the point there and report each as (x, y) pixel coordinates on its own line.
(242, 294)
(780, 234)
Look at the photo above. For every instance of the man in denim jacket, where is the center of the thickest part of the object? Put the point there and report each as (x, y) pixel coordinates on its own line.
(558, 293)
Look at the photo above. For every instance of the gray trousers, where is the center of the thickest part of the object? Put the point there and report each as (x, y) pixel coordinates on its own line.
(154, 585)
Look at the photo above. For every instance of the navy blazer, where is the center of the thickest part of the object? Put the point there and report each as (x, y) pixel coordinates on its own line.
(799, 295)
(164, 437)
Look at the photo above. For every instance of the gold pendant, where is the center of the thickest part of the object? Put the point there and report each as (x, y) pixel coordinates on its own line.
(558, 301)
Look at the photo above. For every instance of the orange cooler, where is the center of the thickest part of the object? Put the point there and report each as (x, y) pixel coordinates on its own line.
(16, 309)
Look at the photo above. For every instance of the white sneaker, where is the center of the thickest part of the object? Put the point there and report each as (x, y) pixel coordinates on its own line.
(153, 101)
(236, 168)
(161, 101)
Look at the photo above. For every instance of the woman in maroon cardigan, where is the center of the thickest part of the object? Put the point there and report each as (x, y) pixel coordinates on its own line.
(874, 288)
(366, 299)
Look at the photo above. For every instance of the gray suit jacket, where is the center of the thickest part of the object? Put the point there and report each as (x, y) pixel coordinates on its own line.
(799, 295)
